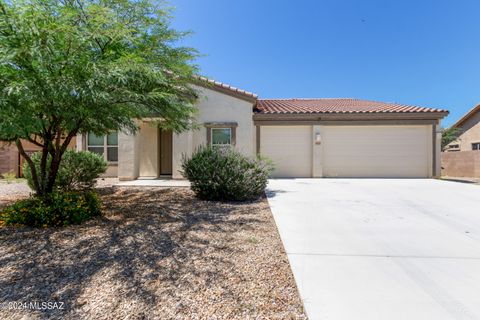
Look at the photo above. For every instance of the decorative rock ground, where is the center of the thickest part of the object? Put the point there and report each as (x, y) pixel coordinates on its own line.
(156, 254)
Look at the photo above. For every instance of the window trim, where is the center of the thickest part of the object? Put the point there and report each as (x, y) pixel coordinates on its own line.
(230, 137)
(105, 148)
(222, 125)
(477, 144)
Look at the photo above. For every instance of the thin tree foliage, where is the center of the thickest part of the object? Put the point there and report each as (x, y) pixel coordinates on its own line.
(449, 135)
(78, 66)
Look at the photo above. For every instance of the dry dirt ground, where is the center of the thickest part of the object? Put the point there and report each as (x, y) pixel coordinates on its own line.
(155, 254)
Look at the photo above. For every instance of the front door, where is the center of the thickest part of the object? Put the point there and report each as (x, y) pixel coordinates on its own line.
(165, 152)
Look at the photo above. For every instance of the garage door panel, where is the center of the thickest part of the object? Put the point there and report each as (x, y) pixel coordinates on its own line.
(376, 151)
(290, 148)
(379, 160)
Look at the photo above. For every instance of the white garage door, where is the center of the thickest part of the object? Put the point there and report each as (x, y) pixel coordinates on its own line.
(377, 151)
(290, 148)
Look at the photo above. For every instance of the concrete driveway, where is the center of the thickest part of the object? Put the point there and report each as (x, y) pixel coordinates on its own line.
(382, 248)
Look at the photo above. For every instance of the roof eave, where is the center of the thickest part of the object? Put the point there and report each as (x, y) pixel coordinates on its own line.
(350, 116)
(226, 89)
(467, 116)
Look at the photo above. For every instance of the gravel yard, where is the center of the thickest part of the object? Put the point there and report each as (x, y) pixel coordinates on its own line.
(12, 191)
(18, 189)
(155, 254)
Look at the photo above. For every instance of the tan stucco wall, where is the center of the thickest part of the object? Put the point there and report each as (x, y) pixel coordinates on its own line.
(470, 133)
(218, 107)
(214, 106)
(317, 171)
(182, 145)
(438, 149)
(148, 150)
(138, 155)
(112, 171)
(128, 156)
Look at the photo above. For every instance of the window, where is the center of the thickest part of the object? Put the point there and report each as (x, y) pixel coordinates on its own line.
(221, 136)
(476, 146)
(221, 133)
(107, 146)
(453, 147)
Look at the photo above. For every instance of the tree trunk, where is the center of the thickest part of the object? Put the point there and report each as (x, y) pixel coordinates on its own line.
(56, 160)
(43, 166)
(44, 181)
(36, 184)
(53, 172)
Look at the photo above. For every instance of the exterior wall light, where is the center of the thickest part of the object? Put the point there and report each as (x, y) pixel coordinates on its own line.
(318, 138)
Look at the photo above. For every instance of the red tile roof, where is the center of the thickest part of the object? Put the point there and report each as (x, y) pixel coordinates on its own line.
(225, 86)
(334, 105)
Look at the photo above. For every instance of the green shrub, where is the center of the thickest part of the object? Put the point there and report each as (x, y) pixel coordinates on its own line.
(226, 174)
(78, 170)
(57, 209)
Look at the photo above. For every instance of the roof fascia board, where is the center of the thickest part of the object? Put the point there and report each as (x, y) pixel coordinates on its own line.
(350, 116)
(224, 90)
(466, 116)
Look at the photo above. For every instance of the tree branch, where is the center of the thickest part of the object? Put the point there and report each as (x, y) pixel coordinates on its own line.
(34, 141)
(57, 157)
(31, 164)
(58, 132)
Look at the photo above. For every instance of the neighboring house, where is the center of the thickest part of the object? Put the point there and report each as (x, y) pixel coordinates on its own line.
(462, 156)
(12, 161)
(304, 137)
(469, 132)
(9, 158)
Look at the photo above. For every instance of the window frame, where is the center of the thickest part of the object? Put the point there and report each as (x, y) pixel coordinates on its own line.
(452, 148)
(222, 125)
(105, 147)
(224, 144)
(476, 145)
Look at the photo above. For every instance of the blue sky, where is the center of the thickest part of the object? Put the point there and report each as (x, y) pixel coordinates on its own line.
(424, 53)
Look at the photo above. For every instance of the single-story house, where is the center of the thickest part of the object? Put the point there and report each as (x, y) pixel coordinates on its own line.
(304, 137)
(461, 158)
(469, 132)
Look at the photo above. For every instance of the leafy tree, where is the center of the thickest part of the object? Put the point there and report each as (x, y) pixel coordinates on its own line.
(449, 135)
(78, 66)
